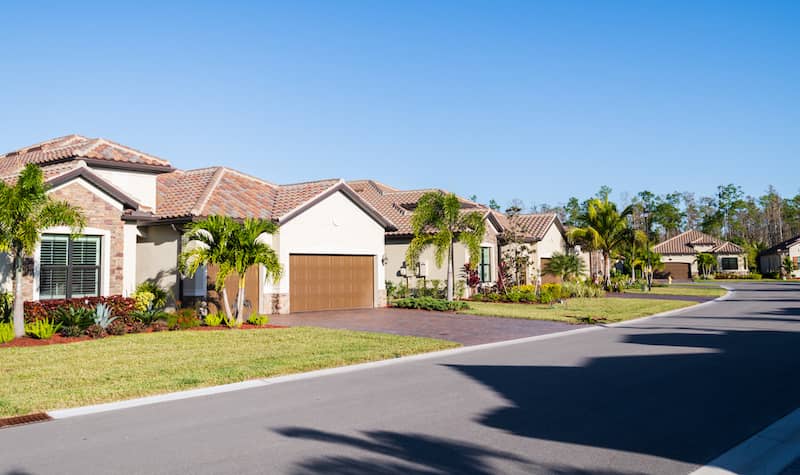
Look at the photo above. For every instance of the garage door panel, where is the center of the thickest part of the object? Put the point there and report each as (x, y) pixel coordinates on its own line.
(322, 282)
(678, 270)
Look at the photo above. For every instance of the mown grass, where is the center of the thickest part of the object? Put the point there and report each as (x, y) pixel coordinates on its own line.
(578, 310)
(687, 290)
(59, 376)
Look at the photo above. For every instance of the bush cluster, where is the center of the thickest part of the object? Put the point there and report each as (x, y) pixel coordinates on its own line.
(430, 303)
(548, 293)
(731, 276)
(118, 305)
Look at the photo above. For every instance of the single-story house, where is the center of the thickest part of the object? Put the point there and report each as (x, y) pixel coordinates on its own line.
(397, 206)
(771, 259)
(330, 240)
(538, 236)
(679, 254)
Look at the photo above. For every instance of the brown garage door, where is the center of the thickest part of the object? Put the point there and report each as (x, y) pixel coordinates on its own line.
(677, 270)
(326, 282)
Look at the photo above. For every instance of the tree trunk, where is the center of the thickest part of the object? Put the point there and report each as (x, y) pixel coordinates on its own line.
(607, 268)
(19, 307)
(240, 300)
(226, 304)
(450, 272)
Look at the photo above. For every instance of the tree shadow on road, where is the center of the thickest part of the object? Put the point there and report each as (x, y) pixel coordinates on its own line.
(701, 394)
(395, 453)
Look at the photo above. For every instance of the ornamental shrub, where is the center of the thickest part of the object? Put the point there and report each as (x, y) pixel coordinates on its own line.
(214, 319)
(41, 310)
(96, 331)
(42, 329)
(144, 299)
(430, 303)
(117, 327)
(258, 319)
(183, 319)
(6, 332)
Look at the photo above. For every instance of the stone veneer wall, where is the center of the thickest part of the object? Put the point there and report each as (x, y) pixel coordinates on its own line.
(99, 214)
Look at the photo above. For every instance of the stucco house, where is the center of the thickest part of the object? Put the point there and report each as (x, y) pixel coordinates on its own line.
(397, 206)
(537, 237)
(330, 240)
(771, 259)
(679, 254)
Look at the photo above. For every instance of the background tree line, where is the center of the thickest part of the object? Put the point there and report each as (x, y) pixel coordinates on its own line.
(755, 223)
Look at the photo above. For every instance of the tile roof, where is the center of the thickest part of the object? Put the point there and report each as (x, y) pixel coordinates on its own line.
(220, 190)
(75, 147)
(214, 190)
(535, 226)
(398, 205)
(684, 244)
(782, 246)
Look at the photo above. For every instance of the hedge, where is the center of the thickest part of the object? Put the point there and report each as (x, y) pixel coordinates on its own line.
(430, 303)
(120, 306)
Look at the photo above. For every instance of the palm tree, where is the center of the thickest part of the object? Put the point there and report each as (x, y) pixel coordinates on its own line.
(233, 247)
(438, 221)
(706, 262)
(567, 266)
(25, 211)
(604, 228)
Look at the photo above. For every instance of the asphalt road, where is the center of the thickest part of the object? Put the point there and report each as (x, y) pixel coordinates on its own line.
(659, 396)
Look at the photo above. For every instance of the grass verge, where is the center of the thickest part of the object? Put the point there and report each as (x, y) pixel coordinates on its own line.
(687, 290)
(578, 310)
(59, 376)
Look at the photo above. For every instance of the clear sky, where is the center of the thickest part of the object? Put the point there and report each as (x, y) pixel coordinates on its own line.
(531, 100)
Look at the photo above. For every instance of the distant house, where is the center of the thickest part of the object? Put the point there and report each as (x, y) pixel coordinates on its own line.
(542, 235)
(679, 254)
(769, 261)
(397, 206)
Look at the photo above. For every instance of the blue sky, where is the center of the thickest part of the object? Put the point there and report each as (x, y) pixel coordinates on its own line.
(531, 100)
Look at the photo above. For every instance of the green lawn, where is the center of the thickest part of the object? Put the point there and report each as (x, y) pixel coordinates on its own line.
(577, 310)
(60, 376)
(689, 290)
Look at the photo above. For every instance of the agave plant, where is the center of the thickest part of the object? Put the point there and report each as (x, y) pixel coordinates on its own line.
(102, 316)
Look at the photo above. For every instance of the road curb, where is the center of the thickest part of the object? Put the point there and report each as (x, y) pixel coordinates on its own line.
(256, 383)
(766, 453)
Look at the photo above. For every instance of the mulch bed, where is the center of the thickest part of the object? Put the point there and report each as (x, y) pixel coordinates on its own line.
(58, 339)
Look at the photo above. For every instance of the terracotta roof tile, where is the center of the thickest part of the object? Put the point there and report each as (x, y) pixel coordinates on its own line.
(398, 205)
(533, 226)
(75, 147)
(684, 244)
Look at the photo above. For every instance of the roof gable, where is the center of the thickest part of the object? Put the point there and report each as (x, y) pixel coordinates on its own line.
(95, 151)
(689, 241)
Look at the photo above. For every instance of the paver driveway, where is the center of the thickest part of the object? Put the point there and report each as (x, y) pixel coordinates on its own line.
(464, 329)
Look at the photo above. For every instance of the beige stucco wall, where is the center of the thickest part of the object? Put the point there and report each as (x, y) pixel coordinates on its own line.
(692, 260)
(552, 242)
(138, 185)
(157, 256)
(335, 225)
(397, 247)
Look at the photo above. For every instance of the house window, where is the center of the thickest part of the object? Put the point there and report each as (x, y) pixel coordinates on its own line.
(730, 263)
(196, 285)
(485, 265)
(69, 268)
